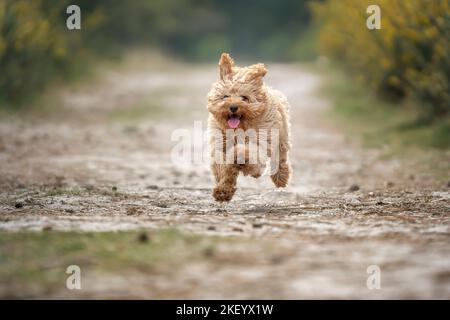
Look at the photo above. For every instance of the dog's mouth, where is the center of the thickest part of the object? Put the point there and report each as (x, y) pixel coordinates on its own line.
(233, 121)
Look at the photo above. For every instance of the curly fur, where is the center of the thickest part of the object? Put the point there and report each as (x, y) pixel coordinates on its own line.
(259, 107)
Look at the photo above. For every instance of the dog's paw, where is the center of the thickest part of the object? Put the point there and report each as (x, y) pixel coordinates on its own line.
(281, 178)
(223, 193)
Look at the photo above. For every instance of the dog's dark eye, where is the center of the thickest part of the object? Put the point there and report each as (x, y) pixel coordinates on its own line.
(225, 97)
(245, 98)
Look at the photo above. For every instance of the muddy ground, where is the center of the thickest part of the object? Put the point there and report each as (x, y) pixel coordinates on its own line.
(102, 162)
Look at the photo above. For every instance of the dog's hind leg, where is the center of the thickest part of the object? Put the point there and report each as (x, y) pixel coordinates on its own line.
(281, 177)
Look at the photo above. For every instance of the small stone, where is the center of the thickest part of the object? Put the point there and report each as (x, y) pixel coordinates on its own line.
(143, 237)
(89, 187)
(353, 188)
(18, 205)
(211, 228)
(389, 184)
(59, 181)
(276, 259)
(114, 188)
(191, 174)
(176, 173)
(69, 211)
(132, 211)
(448, 184)
(130, 129)
(208, 251)
(153, 187)
(47, 228)
(238, 229)
(257, 225)
(380, 203)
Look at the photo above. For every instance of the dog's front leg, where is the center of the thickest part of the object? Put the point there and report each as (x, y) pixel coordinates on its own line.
(226, 177)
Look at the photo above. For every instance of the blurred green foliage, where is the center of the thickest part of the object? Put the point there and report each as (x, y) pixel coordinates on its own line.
(398, 128)
(36, 46)
(408, 57)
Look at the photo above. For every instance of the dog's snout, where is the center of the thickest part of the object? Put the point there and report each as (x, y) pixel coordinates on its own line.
(233, 108)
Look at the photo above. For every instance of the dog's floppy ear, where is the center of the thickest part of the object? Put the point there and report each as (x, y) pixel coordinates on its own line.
(225, 66)
(255, 72)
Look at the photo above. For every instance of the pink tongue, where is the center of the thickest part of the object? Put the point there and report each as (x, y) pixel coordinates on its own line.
(233, 123)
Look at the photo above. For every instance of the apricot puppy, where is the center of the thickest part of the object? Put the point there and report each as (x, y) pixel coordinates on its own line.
(241, 107)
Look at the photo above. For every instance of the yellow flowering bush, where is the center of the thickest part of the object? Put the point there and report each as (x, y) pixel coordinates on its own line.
(408, 57)
(35, 46)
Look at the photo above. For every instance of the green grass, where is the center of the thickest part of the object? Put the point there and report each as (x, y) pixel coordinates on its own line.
(381, 123)
(138, 112)
(305, 48)
(85, 73)
(151, 107)
(34, 264)
(399, 129)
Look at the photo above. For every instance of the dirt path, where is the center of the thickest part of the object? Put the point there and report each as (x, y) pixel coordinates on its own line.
(104, 163)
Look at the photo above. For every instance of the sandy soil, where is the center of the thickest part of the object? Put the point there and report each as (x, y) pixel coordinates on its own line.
(104, 163)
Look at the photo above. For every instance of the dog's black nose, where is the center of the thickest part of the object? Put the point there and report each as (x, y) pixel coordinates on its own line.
(233, 108)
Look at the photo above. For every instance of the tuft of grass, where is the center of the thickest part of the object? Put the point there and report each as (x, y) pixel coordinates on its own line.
(305, 48)
(381, 123)
(399, 129)
(138, 112)
(150, 107)
(57, 192)
(34, 264)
